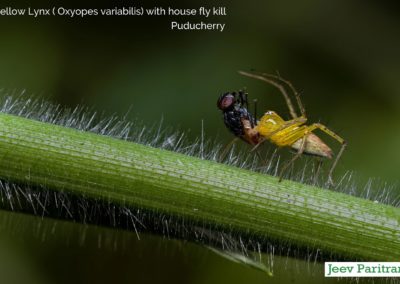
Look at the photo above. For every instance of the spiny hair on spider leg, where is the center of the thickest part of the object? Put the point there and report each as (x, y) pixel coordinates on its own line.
(44, 202)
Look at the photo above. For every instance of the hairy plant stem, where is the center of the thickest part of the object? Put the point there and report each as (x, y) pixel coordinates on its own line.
(202, 191)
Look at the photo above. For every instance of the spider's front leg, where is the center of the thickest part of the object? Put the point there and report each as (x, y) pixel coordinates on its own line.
(226, 149)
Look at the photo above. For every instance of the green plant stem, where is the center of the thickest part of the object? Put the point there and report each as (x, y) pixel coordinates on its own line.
(198, 190)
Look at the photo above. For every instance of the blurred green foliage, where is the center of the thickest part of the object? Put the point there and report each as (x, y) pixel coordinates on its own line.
(342, 55)
(38, 250)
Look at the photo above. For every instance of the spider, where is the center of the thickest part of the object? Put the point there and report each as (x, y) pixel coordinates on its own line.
(293, 133)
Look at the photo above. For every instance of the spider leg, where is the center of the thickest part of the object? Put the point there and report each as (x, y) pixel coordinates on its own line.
(227, 148)
(256, 146)
(317, 168)
(292, 88)
(337, 138)
(298, 154)
(330, 180)
(263, 160)
(244, 101)
(279, 86)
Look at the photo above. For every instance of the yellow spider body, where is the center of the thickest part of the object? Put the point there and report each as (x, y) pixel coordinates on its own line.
(291, 134)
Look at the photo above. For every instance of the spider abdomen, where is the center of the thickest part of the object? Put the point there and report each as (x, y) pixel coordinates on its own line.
(314, 146)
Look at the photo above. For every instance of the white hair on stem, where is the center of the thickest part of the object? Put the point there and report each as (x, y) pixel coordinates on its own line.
(45, 202)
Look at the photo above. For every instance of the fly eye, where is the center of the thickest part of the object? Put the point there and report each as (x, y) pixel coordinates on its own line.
(226, 101)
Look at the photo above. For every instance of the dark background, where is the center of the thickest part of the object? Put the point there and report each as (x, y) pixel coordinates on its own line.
(343, 56)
